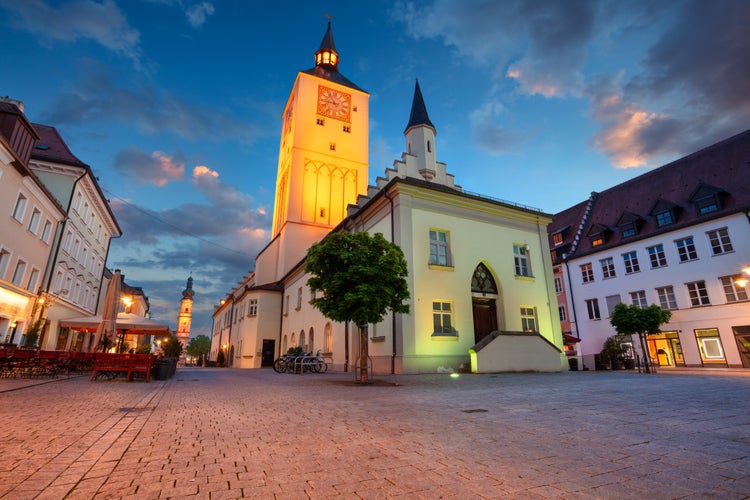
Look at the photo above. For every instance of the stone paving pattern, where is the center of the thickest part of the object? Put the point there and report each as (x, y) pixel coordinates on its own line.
(222, 433)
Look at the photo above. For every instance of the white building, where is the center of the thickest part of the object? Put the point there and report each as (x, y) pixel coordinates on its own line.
(80, 248)
(29, 217)
(479, 272)
(677, 236)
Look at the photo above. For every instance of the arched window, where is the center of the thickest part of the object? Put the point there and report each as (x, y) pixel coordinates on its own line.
(429, 147)
(328, 338)
(294, 340)
(482, 280)
(302, 340)
(311, 340)
(284, 345)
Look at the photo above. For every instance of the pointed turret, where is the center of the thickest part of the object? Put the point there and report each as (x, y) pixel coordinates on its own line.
(326, 55)
(418, 114)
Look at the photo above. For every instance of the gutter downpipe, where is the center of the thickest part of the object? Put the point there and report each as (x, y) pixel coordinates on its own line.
(544, 268)
(393, 314)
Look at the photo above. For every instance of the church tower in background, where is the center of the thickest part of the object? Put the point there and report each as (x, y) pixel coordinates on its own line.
(186, 314)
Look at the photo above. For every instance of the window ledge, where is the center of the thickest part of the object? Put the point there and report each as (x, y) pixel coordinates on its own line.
(438, 267)
(444, 336)
(525, 278)
(380, 338)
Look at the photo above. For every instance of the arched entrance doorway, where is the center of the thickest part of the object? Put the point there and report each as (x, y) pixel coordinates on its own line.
(484, 298)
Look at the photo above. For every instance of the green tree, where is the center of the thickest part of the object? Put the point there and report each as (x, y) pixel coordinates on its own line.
(198, 346)
(641, 321)
(361, 278)
(171, 347)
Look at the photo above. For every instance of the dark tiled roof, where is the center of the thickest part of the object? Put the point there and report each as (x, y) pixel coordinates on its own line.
(721, 169)
(51, 147)
(332, 76)
(418, 115)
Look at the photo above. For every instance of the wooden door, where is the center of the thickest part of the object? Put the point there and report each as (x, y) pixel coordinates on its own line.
(485, 317)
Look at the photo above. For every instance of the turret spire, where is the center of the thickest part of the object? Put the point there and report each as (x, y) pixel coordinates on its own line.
(418, 114)
(326, 55)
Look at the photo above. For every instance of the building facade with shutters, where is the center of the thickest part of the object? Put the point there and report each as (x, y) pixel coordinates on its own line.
(678, 237)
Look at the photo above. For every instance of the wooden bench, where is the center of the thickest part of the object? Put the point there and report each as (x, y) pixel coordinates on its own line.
(111, 365)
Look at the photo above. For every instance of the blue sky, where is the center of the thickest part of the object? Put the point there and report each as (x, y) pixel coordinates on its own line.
(176, 104)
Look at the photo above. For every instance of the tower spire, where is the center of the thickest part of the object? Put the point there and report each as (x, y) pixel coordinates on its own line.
(418, 114)
(326, 55)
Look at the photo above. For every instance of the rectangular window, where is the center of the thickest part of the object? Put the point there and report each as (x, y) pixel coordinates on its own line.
(587, 273)
(612, 301)
(347, 129)
(686, 249)
(19, 272)
(562, 313)
(667, 299)
(558, 286)
(33, 278)
(656, 254)
(299, 298)
(608, 267)
(592, 305)
(19, 208)
(4, 261)
(631, 262)
(442, 318)
(732, 290)
(664, 218)
(46, 231)
(557, 239)
(252, 307)
(709, 343)
(34, 220)
(639, 299)
(439, 251)
(521, 259)
(698, 293)
(286, 305)
(528, 319)
(719, 241)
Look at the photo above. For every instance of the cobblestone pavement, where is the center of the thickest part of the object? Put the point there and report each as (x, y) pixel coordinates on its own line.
(221, 433)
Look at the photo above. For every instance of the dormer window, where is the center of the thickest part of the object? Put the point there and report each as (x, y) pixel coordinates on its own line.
(598, 234)
(664, 212)
(629, 224)
(707, 198)
(559, 236)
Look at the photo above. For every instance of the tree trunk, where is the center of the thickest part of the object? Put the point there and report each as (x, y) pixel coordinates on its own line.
(646, 356)
(363, 354)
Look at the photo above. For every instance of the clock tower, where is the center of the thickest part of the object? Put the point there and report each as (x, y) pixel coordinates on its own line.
(323, 155)
(185, 316)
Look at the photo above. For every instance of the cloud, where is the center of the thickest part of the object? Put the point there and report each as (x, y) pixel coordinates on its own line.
(157, 168)
(151, 111)
(102, 22)
(197, 14)
(490, 136)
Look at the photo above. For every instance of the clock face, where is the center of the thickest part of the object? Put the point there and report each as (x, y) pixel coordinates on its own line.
(334, 104)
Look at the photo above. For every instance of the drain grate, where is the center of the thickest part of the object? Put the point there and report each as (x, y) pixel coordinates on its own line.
(475, 410)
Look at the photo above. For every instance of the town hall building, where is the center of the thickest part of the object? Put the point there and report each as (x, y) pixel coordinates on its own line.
(480, 277)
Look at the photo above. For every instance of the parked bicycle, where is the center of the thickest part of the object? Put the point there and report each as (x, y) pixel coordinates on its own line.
(300, 363)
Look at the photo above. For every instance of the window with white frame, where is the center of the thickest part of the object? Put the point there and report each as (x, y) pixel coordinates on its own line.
(709, 343)
(698, 293)
(36, 215)
(19, 272)
(639, 299)
(686, 249)
(4, 261)
(442, 318)
(19, 209)
(631, 262)
(608, 267)
(719, 241)
(33, 278)
(656, 254)
(521, 260)
(667, 300)
(612, 301)
(587, 272)
(252, 307)
(46, 231)
(562, 313)
(732, 290)
(439, 248)
(558, 286)
(528, 319)
(592, 305)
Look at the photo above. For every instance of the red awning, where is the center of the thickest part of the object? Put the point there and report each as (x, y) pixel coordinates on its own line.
(570, 339)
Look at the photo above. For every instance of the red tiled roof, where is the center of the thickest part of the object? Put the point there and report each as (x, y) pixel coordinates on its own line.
(723, 165)
(51, 147)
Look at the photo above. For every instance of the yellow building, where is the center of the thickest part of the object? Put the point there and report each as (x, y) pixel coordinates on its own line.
(479, 271)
